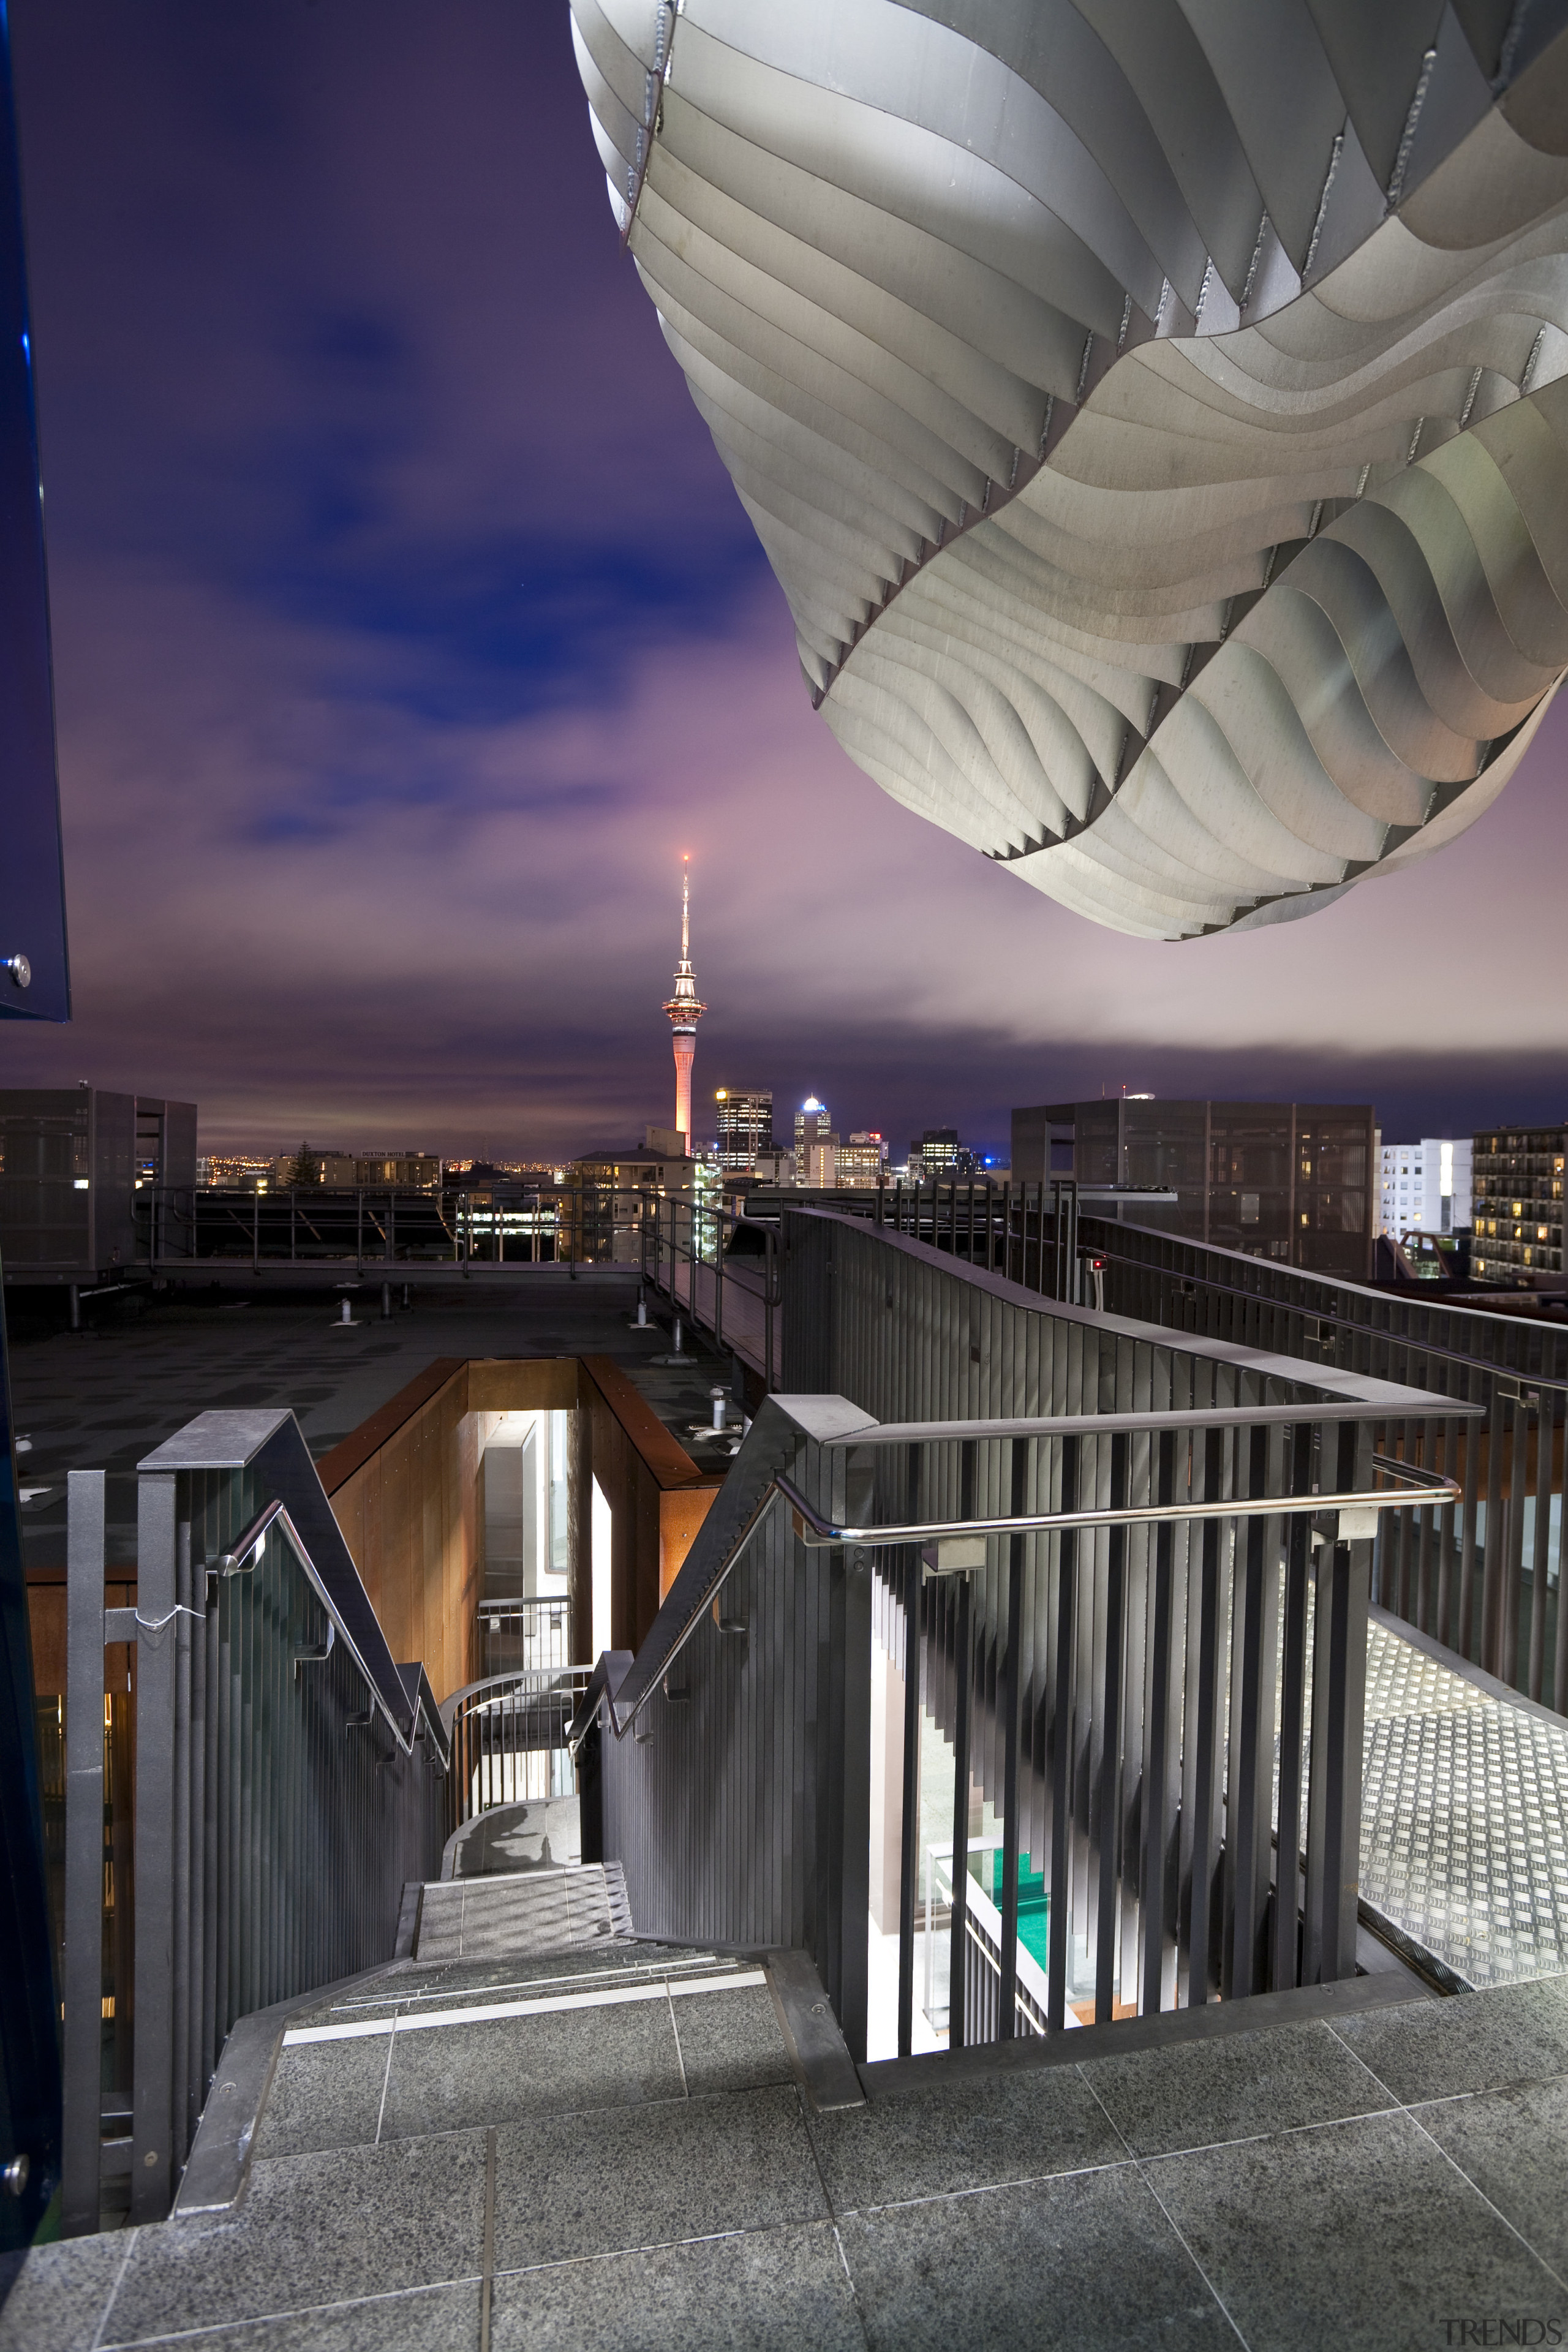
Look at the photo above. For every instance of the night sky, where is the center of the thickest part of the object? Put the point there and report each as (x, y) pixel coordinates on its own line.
(408, 630)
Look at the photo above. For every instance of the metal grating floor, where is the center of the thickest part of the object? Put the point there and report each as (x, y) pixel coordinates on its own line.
(1464, 1818)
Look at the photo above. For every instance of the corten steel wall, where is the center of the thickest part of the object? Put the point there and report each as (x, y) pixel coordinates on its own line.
(1469, 1580)
(658, 1497)
(405, 1490)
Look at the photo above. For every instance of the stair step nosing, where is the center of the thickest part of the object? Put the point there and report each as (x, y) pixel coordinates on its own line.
(617, 1996)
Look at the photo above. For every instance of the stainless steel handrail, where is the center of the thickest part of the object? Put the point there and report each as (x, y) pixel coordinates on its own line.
(825, 1532)
(1428, 1406)
(545, 1679)
(1415, 1487)
(242, 1556)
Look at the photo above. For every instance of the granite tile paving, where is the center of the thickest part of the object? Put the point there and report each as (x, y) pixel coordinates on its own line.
(1429, 2050)
(774, 2291)
(424, 2319)
(60, 2294)
(1269, 2188)
(730, 2040)
(499, 2071)
(639, 2177)
(324, 2094)
(1231, 2088)
(1513, 2145)
(1087, 2262)
(993, 2128)
(312, 2230)
(1361, 2235)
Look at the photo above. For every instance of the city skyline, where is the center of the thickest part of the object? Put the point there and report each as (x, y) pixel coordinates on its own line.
(399, 639)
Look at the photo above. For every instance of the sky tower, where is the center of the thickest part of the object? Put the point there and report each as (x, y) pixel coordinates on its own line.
(685, 1009)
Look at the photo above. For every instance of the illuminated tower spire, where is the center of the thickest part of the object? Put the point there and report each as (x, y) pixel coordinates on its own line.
(685, 1009)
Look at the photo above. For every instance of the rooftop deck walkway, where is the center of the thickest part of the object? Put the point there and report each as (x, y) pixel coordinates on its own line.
(1464, 1812)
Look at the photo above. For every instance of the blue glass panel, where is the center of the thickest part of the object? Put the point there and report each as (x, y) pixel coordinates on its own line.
(32, 874)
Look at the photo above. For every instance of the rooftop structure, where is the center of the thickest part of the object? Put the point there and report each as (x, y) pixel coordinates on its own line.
(1518, 1184)
(1106, 400)
(1424, 1188)
(1292, 1182)
(685, 1010)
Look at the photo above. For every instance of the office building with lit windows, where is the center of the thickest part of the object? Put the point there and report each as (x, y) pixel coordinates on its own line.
(864, 1158)
(1424, 1188)
(1518, 1206)
(816, 1144)
(744, 1126)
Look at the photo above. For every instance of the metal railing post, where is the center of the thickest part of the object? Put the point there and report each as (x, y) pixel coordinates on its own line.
(1339, 1706)
(910, 1819)
(1108, 1888)
(152, 2121)
(1249, 1800)
(1062, 1744)
(1285, 1964)
(1012, 1700)
(83, 2035)
(1160, 1794)
(1204, 1703)
(958, 1941)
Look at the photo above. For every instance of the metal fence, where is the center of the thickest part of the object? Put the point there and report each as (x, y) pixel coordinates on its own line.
(530, 1635)
(505, 1221)
(509, 1739)
(720, 1268)
(1109, 1617)
(1480, 1572)
(289, 1779)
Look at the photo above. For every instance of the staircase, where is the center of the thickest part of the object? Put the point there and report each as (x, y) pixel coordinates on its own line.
(531, 1911)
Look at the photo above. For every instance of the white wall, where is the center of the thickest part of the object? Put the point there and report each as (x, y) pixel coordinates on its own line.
(600, 1532)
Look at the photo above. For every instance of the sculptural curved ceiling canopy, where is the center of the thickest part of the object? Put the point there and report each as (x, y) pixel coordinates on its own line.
(1156, 414)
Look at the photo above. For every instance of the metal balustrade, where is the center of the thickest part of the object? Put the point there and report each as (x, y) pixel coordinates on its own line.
(527, 1635)
(289, 1780)
(509, 1739)
(1480, 1572)
(1111, 1617)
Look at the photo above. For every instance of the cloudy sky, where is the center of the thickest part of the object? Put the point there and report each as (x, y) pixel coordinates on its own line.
(408, 630)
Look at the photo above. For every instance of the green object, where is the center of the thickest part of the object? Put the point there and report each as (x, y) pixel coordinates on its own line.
(1034, 1906)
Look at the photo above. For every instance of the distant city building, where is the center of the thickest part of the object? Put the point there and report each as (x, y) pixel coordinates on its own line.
(309, 1166)
(609, 1192)
(1517, 1186)
(1292, 1181)
(776, 1166)
(1425, 1187)
(863, 1159)
(413, 1170)
(745, 1126)
(812, 1130)
(72, 1161)
(938, 1152)
(685, 1010)
(820, 1167)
